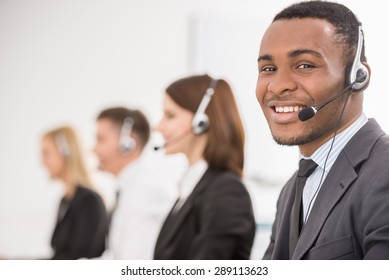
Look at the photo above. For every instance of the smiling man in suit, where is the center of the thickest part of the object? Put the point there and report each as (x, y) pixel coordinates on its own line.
(312, 74)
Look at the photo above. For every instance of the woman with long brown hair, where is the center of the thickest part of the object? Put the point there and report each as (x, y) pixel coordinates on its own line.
(213, 217)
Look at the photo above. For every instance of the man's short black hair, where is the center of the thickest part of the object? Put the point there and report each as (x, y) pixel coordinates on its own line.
(342, 18)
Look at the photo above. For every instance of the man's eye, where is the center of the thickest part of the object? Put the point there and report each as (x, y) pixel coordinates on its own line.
(305, 66)
(268, 69)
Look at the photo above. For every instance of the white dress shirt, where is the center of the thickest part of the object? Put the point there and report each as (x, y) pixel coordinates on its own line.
(316, 179)
(189, 181)
(146, 197)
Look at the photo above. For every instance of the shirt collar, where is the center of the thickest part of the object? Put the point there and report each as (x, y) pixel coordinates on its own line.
(341, 139)
(191, 178)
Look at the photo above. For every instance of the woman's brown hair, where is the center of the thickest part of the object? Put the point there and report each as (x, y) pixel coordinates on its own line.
(225, 147)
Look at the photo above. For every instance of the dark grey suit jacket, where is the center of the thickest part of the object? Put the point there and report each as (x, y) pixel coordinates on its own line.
(215, 222)
(350, 217)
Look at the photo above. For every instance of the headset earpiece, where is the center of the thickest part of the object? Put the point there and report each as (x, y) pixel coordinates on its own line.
(200, 123)
(358, 71)
(62, 144)
(356, 79)
(126, 142)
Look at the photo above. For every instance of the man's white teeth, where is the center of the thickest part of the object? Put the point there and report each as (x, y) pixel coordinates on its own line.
(287, 109)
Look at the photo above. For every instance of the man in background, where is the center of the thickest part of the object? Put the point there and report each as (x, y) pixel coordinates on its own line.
(144, 195)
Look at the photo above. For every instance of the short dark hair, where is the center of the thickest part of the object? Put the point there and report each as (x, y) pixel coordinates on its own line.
(117, 115)
(225, 147)
(342, 18)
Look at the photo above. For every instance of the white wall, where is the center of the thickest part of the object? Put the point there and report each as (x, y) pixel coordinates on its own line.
(63, 61)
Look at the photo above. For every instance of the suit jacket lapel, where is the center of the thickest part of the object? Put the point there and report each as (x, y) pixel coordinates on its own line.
(178, 218)
(281, 247)
(339, 179)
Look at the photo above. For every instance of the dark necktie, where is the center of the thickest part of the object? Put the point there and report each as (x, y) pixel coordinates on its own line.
(306, 167)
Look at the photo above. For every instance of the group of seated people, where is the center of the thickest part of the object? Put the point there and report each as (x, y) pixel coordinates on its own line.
(209, 214)
(312, 73)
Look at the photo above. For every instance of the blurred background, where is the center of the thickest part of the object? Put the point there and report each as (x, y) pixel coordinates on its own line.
(62, 62)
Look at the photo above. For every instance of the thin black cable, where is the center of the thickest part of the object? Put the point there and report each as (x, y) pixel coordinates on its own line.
(325, 162)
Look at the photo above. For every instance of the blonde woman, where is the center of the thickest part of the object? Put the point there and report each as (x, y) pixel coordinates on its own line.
(82, 219)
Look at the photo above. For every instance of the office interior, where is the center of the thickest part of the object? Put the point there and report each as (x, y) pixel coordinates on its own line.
(61, 62)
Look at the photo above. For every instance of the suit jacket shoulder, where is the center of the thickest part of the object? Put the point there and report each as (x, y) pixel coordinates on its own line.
(82, 230)
(349, 217)
(215, 222)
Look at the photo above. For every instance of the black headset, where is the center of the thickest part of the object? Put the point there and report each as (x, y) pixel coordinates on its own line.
(200, 123)
(358, 69)
(126, 142)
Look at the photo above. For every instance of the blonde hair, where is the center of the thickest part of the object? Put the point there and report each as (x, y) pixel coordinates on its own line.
(67, 143)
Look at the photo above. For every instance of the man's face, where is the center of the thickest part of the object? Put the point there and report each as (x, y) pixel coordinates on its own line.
(107, 145)
(300, 65)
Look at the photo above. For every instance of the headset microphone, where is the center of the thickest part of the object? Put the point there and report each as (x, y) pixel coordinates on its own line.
(357, 79)
(309, 112)
(173, 140)
(157, 148)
